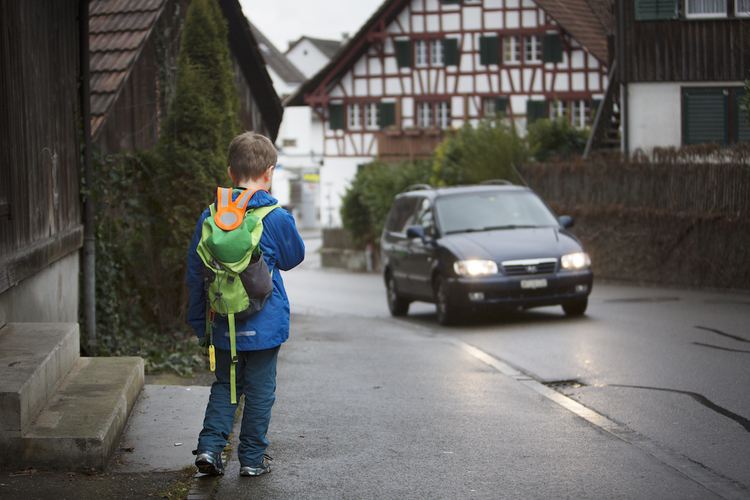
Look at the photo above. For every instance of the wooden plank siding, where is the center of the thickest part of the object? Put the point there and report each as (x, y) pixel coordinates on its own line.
(681, 50)
(40, 153)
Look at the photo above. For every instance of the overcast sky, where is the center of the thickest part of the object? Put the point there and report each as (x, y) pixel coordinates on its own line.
(282, 21)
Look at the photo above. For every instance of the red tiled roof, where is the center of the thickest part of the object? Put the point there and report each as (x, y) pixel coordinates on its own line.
(117, 31)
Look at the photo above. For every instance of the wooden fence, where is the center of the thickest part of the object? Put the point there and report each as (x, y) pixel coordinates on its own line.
(682, 219)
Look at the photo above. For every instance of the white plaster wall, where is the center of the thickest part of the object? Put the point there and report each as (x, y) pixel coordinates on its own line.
(307, 58)
(49, 296)
(280, 86)
(653, 115)
(336, 175)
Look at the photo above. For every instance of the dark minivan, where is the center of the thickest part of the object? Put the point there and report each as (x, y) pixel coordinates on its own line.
(491, 245)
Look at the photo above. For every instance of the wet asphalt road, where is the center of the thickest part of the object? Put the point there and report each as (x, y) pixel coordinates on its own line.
(374, 407)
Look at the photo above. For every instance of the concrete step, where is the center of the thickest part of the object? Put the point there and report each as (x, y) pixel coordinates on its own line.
(34, 359)
(80, 425)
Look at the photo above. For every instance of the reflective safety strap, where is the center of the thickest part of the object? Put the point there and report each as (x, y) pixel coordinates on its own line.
(232, 372)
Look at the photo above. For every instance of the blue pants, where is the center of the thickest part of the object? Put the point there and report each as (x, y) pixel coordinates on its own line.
(256, 379)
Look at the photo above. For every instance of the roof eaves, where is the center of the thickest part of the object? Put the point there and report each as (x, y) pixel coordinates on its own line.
(347, 54)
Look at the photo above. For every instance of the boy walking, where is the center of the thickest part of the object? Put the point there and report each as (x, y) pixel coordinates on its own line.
(252, 159)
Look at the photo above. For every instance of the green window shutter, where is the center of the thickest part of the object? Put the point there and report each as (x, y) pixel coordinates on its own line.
(387, 114)
(705, 116)
(741, 127)
(450, 51)
(652, 10)
(450, 2)
(501, 105)
(535, 110)
(403, 53)
(552, 48)
(336, 116)
(489, 50)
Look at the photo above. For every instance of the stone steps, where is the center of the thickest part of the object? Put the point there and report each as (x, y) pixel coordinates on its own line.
(58, 409)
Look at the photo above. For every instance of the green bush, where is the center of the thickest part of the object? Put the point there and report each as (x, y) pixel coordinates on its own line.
(366, 202)
(148, 203)
(550, 138)
(474, 154)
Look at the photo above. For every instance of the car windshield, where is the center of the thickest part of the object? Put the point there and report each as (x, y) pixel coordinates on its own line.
(492, 211)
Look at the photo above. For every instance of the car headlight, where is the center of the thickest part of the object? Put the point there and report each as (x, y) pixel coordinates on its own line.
(474, 267)
(578, 260)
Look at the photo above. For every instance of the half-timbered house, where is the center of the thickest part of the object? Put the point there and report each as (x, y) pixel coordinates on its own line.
(420, 67)
(683, 64)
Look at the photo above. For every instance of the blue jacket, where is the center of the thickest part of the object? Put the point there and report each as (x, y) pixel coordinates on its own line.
(283, 249)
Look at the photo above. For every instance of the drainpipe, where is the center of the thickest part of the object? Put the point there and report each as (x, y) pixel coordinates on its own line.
(624, 119)
(89, 241)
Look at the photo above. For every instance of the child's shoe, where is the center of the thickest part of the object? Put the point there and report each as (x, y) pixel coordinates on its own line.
(209, 462)
(265, 466)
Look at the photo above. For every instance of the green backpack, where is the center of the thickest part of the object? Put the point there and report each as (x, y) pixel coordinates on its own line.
(235, 274)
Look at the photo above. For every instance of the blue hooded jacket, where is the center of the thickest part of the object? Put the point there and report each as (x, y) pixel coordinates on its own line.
(283, 249)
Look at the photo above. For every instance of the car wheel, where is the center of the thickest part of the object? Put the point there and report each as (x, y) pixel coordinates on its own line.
(576, 307)
(446, 313)
(398, 305)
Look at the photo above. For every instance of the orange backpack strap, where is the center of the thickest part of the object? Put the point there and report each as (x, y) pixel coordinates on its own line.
(230, 214)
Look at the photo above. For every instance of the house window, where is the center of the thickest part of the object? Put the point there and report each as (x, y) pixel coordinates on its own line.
(580, 113)
(558, 109)
(437, 114)
(494, 106)
(443, 114)
(652, 10)
(705, 8)
(355, 115)
(511, 50)
(424, 114)
(532, 49)
(742, 8)
(289, 143)
(420, 53)
(436, 52)
(714, 115)
(372, 115)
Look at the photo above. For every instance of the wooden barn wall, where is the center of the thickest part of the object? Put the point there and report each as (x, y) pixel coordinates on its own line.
(250, 116)
(40, 214)
(133, 120)
(681, 49)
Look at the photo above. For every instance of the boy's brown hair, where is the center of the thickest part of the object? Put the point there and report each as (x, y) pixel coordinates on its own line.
(250, 154)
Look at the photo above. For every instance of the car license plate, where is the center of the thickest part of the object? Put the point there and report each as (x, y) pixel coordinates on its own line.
(533, 284)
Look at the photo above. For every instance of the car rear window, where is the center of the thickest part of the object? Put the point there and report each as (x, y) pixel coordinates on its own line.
(492, 210)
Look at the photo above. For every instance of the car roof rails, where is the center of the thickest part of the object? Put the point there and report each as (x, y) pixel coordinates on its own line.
(501, 182)
(417, 187)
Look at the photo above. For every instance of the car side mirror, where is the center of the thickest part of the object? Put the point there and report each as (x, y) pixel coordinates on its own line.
(415, 232)
(566, 221)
